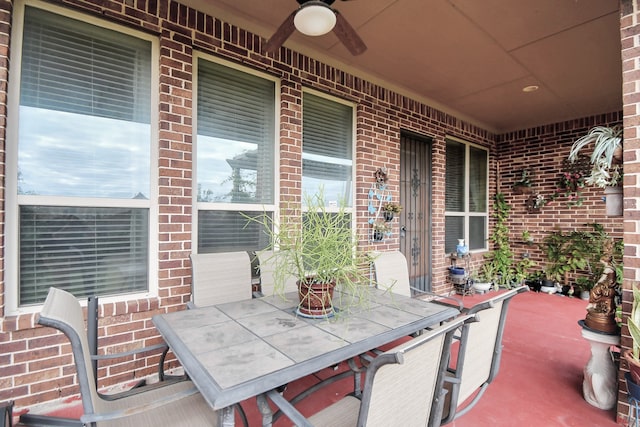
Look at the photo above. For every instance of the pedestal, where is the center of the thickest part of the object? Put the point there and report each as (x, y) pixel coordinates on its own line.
(599, 386)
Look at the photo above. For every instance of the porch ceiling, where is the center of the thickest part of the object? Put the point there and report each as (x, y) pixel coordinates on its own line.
(469, 57)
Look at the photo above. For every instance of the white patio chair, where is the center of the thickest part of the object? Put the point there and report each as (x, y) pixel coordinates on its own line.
(176, 404)
(478, 360)
(417, 365)
(391, 272)
(220, 277)
(266, 261)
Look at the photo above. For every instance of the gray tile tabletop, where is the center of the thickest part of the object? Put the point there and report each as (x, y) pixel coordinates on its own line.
(238, 350)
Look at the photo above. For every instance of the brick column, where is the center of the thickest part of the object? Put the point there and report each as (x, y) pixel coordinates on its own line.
(630, 43)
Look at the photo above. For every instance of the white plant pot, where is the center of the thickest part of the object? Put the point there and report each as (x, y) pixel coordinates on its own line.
(613, 200)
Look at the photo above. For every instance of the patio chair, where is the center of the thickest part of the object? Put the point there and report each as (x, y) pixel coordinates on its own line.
(178, 403)
(6, 410)
(391, 271)
(266, 261)
(417, 365)
(220, 277)
(478, 359)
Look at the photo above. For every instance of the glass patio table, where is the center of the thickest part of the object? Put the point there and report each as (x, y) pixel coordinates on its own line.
(238, 350)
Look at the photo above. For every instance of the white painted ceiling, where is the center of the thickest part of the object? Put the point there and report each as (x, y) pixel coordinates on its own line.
(469, 57)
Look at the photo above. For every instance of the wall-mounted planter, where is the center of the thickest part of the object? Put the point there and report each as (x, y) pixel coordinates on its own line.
(522, 189)
(613, 198)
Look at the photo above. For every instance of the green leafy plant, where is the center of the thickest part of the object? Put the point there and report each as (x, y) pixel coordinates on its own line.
(580, 252)
(501, 257)
(392, 207)
(525, 179)
(606, 166)
(315, 246)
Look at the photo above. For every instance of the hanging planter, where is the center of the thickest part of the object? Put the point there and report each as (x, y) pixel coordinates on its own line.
(613, 199)
(389, 210)
(379, 230)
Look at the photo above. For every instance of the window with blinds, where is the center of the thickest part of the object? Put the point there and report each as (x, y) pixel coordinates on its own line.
(84, 135)
(234, 155)
(466, 202)
(327, 149)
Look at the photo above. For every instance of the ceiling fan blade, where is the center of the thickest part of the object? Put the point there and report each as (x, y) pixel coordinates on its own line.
(348, 35)
(281, 35)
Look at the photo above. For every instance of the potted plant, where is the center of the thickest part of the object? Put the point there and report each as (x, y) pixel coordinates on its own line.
(606, 157)
(523, 185)
(318, 247)
(390, 209)
(380, 229)
(606, 163)
(483, 280)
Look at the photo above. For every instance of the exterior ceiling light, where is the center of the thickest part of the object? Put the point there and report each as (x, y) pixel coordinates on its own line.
(314, 18)
(531, 88)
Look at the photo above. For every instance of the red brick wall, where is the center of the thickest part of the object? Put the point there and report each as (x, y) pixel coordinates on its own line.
(541, 150)
(629, 29)
(35, 363)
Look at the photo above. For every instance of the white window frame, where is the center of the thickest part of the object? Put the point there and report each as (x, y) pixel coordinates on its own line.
(235, 207)
(466, 214)
(14, 201)
(352, 208)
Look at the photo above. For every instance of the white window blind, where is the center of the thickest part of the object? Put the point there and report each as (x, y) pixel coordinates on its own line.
(236, 125)
(466, 196)
(327, 153)
(235, 156)
(84, 133)
(86, 251)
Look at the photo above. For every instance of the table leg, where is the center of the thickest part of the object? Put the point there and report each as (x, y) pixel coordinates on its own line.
(265, 410)
(227, 417)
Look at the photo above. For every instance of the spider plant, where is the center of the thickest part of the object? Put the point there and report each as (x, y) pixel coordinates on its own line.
(606, 168)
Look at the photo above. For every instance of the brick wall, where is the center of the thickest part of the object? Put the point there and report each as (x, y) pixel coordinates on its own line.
(629, 30)
(35, 363)
(541, 150)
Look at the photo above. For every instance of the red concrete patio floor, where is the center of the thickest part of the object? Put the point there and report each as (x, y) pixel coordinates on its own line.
(540, 379)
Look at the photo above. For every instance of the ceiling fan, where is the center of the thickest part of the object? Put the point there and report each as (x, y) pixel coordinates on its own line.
(315, 18)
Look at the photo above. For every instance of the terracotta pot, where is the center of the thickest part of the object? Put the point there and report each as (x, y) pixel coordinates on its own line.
(316, 299)
(634, 366)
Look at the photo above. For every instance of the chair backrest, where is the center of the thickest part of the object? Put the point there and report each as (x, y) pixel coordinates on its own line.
(267, 260)
(220, 277)
(403, 385)
(392, 272)
(62, 311)
(480, 351)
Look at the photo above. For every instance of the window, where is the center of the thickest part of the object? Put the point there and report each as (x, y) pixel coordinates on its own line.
(82, 185)
(234, 156)
(466, 192)
(327, 149)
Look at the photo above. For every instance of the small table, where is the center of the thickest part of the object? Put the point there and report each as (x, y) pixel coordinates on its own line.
(243, 349)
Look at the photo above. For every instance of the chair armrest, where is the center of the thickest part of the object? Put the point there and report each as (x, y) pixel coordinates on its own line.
(288, 409)
(441, 299)
(132, 410)
(147, 349)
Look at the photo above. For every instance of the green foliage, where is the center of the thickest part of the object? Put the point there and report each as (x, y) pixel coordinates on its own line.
(317, 246)
(501, 257)
(605, 170)
(580, 251)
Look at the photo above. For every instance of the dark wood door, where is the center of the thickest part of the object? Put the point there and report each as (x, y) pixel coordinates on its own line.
(415, 197)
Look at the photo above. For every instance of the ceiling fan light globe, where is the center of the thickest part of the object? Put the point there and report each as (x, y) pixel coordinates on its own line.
(314, 19)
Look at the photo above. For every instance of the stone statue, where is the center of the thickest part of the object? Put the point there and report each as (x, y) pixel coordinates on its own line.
(602, 307)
